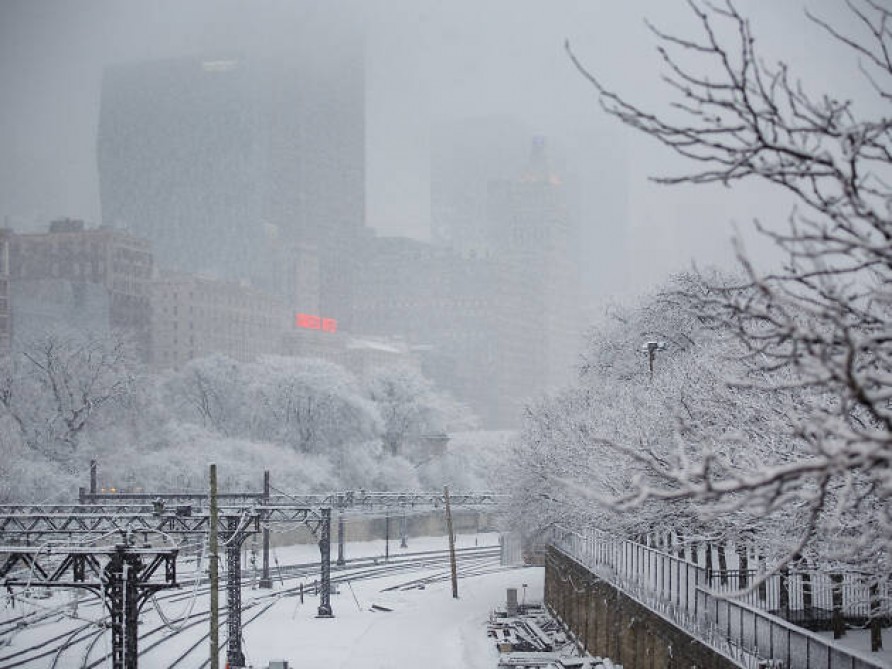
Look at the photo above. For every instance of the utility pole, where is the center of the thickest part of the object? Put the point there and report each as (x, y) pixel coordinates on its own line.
(341, 528)
(387, 537)
(213, 567)
(451, 543)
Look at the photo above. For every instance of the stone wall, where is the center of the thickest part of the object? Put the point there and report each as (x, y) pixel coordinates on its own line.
(608, 623)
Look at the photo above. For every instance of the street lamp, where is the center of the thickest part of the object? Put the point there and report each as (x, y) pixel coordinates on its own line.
(651, 348)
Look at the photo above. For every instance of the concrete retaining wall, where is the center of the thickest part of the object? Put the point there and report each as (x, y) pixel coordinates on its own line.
(607, 622)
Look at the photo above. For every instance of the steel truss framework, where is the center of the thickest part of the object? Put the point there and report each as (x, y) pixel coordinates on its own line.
(140, 514)
(33, 523)
(126, 581)
(352, 500)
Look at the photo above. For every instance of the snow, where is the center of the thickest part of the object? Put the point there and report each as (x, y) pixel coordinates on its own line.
(426, 628)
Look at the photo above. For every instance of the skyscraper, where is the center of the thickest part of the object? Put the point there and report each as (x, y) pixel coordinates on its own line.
(466, 155)
(228, 163)
(531, 227)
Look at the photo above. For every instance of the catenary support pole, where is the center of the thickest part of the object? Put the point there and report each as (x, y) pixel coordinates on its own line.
(235, 658)
(451, 543)
(132, 567)
(325, 560)
(265, 580)
(114, 577)
(213, 572)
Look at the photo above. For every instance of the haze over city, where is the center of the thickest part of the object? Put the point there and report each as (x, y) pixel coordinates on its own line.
(597, 289)
(425, 62)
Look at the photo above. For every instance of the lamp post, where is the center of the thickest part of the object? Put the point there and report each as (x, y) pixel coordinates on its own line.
(651, 348)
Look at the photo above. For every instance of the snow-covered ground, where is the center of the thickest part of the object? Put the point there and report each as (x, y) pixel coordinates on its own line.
(424, 628)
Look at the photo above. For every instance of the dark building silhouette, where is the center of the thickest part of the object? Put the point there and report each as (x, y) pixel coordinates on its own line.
(228, 164)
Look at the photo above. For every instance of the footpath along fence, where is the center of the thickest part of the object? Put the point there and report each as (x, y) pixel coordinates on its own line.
(680, 591)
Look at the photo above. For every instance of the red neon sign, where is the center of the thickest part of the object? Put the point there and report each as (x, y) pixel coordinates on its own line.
(313, 322)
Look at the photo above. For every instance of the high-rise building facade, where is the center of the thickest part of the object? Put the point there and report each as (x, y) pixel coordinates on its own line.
(491, 304)
(194, 316)
(466, 155)
(530, 223)
(229, 164)
(461, 314)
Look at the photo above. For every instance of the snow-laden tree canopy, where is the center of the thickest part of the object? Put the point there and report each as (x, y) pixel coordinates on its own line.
(65, 401)
(411, 407)
(787, 412)
(683, 450)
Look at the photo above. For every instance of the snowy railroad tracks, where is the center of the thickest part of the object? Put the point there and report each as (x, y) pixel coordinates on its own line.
(530, 638)
(64, 634)
(472, 561)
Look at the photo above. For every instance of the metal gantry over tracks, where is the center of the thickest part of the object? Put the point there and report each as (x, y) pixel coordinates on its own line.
(123, 576)
(77, 525)
(126, 574)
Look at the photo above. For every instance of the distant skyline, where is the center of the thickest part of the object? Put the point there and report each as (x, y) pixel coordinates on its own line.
(427, 62)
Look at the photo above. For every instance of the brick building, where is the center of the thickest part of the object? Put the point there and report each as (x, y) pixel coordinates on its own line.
(87, 280)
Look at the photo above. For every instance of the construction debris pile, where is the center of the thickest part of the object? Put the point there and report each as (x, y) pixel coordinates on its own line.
(528, 637)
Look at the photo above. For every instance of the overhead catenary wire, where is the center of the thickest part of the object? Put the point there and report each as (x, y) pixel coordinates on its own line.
(177, 624)
(361, 571)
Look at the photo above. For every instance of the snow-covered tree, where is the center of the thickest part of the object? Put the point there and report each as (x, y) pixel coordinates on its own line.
(818, 329)
(311, 405)
(410, 406)
(590, 442)
(604, 452)
(210, 391)
(53, 389)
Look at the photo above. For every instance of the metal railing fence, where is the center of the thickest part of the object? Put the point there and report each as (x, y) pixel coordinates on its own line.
(802, 590)
(680, 591)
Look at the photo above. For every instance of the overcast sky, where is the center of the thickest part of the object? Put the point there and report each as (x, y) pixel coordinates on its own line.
(427, 61)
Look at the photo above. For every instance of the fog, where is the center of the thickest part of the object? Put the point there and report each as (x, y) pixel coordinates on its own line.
(426, 62)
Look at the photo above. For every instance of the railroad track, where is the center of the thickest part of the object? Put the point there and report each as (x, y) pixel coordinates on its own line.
(78, 646)
(471, 562)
